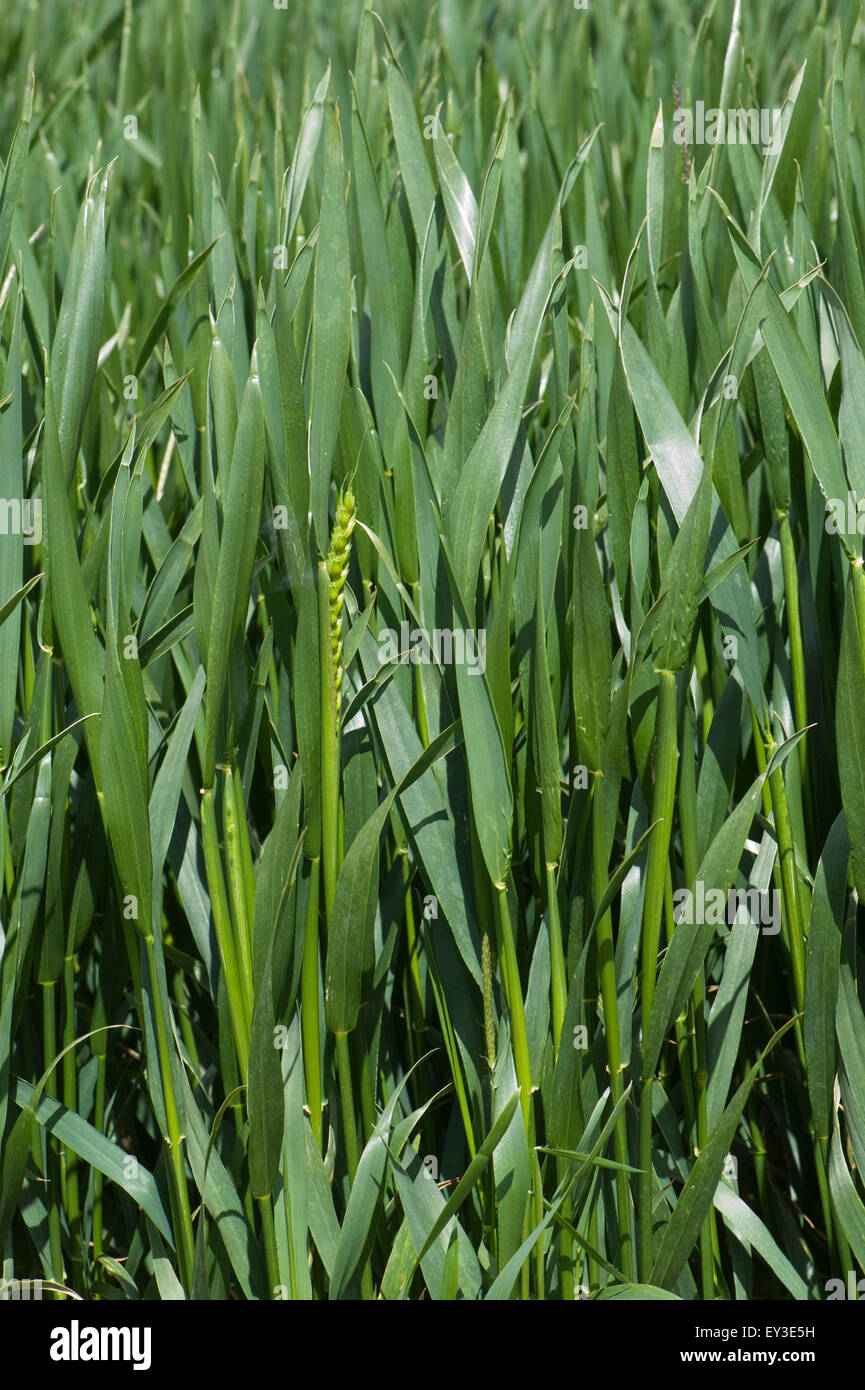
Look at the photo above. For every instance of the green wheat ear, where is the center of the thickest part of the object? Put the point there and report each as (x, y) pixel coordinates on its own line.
(338, 556)
(489, 1016)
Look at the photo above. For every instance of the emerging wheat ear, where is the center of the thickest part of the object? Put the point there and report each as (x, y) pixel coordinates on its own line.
(338, 556)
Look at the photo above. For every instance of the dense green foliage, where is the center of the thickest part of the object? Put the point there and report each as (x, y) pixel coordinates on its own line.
(327, 974)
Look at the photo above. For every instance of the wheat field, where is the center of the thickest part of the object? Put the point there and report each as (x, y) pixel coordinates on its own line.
(432, 650)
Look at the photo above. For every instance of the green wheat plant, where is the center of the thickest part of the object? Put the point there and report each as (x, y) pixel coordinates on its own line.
(432, 651)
